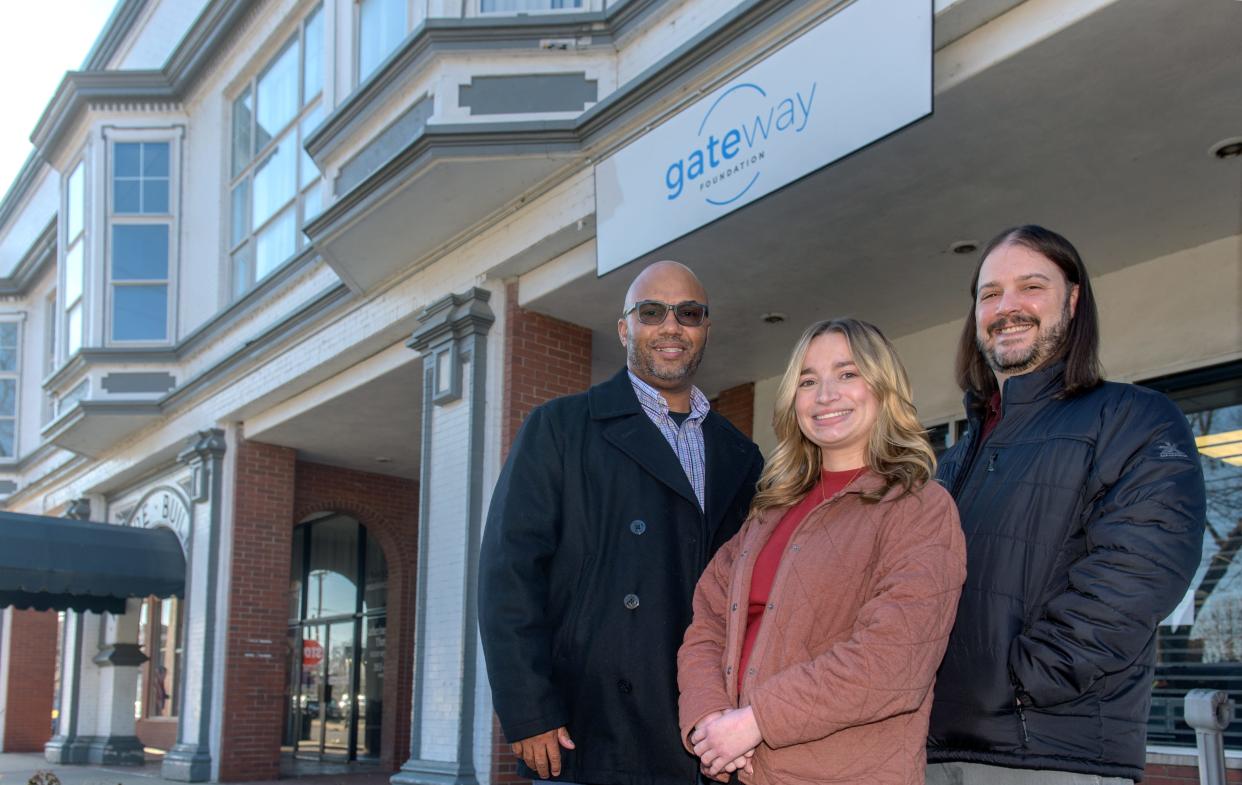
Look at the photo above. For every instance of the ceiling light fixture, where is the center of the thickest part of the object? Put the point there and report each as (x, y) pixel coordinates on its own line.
(1227, 148)
(383, 459)
(963, 247)
(773, 318)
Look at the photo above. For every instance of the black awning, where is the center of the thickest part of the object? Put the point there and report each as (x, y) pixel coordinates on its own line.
(64, 564)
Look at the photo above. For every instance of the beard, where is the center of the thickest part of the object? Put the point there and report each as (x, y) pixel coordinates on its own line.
(1046, 346)
(642, 358)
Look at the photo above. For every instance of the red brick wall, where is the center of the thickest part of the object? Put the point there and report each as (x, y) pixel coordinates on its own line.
(274, 492)
(254, 677)
(544, 358)
(32, 667)
(388, 508)
(737, 405)
(1159, 774)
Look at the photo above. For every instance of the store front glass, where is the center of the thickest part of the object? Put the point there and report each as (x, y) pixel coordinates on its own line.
(1200, 644)
(337, 617)
(161, 626)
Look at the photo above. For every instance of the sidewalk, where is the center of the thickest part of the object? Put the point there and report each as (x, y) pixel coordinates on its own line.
(16, 768)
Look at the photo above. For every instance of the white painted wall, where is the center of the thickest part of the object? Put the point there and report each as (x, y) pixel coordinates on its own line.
(162, 26)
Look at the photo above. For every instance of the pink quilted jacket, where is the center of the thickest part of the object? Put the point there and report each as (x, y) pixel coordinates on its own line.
(840, 678)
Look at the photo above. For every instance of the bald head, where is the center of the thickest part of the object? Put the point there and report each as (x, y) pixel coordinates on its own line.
(667, 281)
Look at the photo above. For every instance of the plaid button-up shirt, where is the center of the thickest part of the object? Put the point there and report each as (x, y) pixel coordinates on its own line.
(687, 440)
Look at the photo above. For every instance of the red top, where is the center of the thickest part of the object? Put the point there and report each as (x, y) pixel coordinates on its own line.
(992, 419)
(769, 559)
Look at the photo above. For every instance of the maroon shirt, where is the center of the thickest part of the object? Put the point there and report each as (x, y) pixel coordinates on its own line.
(769, 559)
(993, 417)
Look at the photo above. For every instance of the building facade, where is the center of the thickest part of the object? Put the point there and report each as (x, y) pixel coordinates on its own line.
(285, 276)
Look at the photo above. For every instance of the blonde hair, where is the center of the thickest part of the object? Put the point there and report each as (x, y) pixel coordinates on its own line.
(897, 448)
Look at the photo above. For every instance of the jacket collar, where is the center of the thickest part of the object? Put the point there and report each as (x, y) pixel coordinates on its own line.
(1037, 385)
(866, 482)
(627, 427)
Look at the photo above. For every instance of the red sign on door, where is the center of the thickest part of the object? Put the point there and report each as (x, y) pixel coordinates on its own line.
(312, 653)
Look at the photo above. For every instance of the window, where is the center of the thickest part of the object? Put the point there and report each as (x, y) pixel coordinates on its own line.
(382, 24)
(9, 357)
(337, 637)
(1200, 644)
(49, 354)
(945, 435)
(75, 262)
(525, 6)
(140, 241)
(275, 186)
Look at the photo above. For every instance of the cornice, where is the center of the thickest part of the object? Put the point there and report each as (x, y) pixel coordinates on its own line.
(41, 254)
(453, 34)
(21, 184)
(169, 84)
(118, 26)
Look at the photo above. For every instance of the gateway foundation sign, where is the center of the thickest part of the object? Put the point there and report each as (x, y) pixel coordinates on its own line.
(858, 76)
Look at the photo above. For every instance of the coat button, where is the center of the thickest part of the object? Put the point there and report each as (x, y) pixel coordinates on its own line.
(795, 548)
(734, 607)
(729, 671)
(750, 671)
(771, 605)
(624, 687)
(638, 527)
(631, 601)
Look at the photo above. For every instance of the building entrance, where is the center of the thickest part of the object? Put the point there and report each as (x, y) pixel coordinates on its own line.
(338, 593)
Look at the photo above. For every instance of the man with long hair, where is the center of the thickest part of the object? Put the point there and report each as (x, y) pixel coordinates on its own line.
(608, 508)
(1083, 506)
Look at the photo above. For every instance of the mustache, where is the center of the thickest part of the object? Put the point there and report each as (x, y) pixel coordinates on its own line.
(1011, 321)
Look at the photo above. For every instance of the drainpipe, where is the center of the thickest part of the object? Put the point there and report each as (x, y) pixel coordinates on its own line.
(1209, 712)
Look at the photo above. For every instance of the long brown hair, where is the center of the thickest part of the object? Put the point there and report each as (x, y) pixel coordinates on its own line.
(1081, 349)
(897, 448)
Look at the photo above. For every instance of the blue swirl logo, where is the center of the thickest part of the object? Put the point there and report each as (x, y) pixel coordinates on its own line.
(733, 139)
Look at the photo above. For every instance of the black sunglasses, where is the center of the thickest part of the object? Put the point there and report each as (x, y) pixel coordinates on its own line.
(688, 313)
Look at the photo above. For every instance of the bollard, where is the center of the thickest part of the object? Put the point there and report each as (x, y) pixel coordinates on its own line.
(1209, 712)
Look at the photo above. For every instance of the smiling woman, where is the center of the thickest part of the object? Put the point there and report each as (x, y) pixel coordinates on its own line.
(854, 558)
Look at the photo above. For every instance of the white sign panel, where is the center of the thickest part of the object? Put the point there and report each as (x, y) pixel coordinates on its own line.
(856, 77)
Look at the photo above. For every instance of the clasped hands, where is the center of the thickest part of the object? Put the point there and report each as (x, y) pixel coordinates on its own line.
(724, 741)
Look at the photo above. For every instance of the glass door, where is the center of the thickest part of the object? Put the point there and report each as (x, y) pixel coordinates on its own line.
(338, 690)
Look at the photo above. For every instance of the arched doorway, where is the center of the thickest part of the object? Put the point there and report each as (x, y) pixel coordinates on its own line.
(338, 600)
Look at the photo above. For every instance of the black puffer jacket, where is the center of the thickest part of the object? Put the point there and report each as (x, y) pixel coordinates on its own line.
(1084, 526)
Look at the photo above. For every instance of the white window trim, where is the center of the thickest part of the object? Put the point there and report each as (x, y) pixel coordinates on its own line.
(18, 319)
(250, 84)
(63, 242)
(171, 135)
(475, 8)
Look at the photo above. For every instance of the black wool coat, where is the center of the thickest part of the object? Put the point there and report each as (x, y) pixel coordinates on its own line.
(593, 545)
(1084, 524)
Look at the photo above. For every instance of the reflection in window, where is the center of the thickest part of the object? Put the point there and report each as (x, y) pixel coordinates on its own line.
(8, 388)
(275, 185)
(382, 24)
(1200, 644)
(337, 639)
(75, 250)
(527, 6)
(141, 226)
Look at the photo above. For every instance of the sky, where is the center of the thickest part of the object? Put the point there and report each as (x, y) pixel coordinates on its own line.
(39, 41)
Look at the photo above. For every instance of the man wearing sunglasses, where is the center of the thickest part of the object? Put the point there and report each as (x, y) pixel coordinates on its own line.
(609, 507)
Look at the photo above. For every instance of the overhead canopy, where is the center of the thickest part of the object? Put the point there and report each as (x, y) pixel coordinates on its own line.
(48, 563)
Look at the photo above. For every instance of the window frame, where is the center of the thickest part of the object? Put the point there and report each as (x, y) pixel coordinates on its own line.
(476, 9)
(301, 125)
(18, 321)
(67, 244)
(413, 18)
(170, 135)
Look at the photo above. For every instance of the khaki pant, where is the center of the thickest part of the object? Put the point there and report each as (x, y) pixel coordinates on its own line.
(982, 774)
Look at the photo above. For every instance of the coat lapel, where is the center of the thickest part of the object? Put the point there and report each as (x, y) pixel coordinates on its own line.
(728, 465)
(633, 433)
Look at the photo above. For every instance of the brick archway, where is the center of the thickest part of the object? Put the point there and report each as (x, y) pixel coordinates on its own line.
(387, 507)
(273, 493)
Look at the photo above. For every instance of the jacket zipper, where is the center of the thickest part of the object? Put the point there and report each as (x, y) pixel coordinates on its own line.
(992, 462)
(1026, 737)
